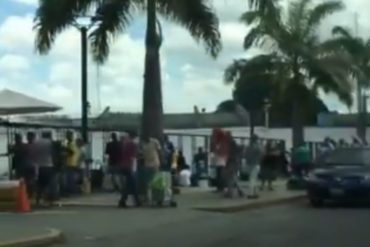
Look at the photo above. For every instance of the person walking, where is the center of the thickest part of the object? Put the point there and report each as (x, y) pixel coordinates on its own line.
(232, 168)
(128, 184)
(253, 158)
(113, 153)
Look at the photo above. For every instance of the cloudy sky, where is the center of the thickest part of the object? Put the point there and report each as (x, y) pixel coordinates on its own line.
(189, 76)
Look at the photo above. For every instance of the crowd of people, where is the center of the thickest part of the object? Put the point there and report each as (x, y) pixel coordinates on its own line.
(53, 168)
(50, 168)
(263, 162)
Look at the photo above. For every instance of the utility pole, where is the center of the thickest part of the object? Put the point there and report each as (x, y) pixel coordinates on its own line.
(84, 24)
(84, 86)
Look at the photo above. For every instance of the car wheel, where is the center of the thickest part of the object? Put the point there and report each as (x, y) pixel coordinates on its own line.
(316, 202)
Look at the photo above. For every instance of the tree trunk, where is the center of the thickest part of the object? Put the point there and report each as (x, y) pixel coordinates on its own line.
(297, 121)
(152, 117)
(297, 125)
(252, 116)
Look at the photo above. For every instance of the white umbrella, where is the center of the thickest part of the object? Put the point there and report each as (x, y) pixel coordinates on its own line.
(13, 103)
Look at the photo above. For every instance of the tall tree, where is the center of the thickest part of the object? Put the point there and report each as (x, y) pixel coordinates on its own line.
(254, 84)
(251, 85)
(54, 16)
(296, 57)
(359, 48)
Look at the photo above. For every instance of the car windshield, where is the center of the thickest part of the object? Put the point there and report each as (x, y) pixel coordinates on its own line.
(346, 157)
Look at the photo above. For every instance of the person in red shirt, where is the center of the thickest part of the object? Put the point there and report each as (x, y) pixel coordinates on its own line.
(127, 171)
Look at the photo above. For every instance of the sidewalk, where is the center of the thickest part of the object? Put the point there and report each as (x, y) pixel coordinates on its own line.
(21, 236)
(200, 199)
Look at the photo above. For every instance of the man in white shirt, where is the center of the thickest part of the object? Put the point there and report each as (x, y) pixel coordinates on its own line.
(44, 163)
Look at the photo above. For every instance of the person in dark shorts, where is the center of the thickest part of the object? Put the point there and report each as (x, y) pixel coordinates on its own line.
(268, 166)
(28, 171)
(113, 152)
(17, 152)
(128, 183)
(44, 161)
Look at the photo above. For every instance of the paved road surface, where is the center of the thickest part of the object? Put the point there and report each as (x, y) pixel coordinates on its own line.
(294, 225)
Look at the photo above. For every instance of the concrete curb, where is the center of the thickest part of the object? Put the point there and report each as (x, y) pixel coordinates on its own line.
(52, 237)
(255, 205)
(85, 205)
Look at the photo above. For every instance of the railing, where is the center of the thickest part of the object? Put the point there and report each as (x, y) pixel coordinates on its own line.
(187, 142)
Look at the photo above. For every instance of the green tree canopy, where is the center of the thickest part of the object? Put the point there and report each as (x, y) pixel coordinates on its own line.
(296, 58)
(115, 16)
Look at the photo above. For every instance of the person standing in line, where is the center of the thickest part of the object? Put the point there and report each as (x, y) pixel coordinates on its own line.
(253, 158)
(268, 166)
(72, 161)
(58, 165)
(301, 161)
(219, 148)
(44, 161)
(81, 168)
(200, 162)
(127, 173)
(168, 152)
(17, 153)
(30, 169)
(113, 152)
(232, 168)
(151, 151)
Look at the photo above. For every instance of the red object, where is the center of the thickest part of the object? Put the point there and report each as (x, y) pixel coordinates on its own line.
(128, 154)
(220, 142)
(23, 203)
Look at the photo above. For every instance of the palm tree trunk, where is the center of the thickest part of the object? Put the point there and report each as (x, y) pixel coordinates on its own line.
(252, 115)
(152, 118)
(297, 125)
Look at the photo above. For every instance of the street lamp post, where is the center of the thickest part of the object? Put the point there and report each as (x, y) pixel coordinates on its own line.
(267, 113)
(84, 87)
(84, 24)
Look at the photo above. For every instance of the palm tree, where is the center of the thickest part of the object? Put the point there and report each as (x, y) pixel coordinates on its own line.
(251, 85)
(54, 16)
(360, 51)
(297, 59)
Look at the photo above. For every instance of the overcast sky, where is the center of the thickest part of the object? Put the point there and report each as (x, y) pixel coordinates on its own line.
(189, 76)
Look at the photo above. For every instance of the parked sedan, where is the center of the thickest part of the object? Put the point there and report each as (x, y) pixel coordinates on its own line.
(340, 175)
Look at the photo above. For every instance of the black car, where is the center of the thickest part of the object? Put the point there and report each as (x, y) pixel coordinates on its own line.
(340, 175)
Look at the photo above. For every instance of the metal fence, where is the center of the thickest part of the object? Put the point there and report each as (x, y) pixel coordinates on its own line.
(187, 142)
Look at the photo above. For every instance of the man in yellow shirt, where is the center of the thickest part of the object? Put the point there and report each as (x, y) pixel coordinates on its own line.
(151, 151)
(72, 156)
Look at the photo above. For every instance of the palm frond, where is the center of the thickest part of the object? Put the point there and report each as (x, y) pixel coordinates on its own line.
(297, 16)
(198, 18)
(322, 11)
(250, 17)
(264, 6)
(53, 16)
(115, 16)
(255, 37)
(234, 70)
(258, 67)
(333, 73)
(342, 32)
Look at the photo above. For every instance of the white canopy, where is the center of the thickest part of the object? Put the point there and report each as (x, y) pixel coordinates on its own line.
(13, 103)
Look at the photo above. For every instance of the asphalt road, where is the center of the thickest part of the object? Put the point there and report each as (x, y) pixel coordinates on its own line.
(293, 225)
